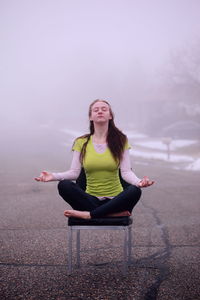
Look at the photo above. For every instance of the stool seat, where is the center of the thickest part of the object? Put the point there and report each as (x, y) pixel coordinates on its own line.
(106, 221)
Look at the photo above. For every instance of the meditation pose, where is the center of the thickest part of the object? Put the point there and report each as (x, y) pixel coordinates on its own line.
(101, 153)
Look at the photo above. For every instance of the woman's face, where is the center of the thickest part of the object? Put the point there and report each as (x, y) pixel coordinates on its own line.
(100, 112)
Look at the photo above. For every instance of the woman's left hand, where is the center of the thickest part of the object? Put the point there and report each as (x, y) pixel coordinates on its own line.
(145, 182)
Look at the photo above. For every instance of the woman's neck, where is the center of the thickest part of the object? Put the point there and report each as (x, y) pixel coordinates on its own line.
(100, 134)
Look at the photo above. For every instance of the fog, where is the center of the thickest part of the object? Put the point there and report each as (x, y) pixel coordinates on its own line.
(143, 57)
(58, 56)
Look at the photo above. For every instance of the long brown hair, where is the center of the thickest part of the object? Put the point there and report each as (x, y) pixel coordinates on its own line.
(116, 139)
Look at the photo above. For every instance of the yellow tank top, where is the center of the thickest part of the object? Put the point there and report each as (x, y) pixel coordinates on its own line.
(102, 171)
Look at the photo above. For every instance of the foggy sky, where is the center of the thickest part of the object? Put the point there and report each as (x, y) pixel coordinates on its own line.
(59, 55)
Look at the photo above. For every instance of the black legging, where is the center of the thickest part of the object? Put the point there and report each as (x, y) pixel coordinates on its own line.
(80, 200)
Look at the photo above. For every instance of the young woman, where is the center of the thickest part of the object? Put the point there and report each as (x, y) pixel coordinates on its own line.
(101, 153)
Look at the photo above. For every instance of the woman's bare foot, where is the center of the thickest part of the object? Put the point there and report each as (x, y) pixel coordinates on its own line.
(124, 213)
(77, 214)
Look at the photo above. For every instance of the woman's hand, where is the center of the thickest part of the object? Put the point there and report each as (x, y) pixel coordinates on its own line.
(145, 182)
(45, 177)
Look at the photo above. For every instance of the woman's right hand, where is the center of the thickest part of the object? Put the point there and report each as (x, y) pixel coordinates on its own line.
(45, 177)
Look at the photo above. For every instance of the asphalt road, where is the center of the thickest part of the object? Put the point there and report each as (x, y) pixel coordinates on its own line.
(166, 248)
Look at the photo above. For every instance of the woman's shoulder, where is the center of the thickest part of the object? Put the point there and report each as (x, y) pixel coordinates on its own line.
(79, 141)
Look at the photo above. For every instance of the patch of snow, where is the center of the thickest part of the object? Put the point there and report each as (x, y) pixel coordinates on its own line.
(161, 156)
(151, 144)
(194, 166)
(182, 143)
(134, 135)
(160, 146)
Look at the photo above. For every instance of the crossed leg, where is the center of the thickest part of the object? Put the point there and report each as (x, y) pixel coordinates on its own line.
(86, 206)
(86, 214)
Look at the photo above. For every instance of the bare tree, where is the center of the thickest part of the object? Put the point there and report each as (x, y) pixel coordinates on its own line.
(183, 79)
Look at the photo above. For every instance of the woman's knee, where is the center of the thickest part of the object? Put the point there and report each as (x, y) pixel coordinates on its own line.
(135, 190)
(64, 185)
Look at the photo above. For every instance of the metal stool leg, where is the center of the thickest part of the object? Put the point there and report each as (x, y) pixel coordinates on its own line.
(129, 244)
(125, 252)
(70, 236)
(78, 248)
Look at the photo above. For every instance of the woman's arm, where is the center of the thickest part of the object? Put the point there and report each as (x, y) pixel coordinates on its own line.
(125, 167)
(129, 176)
(71, 174)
